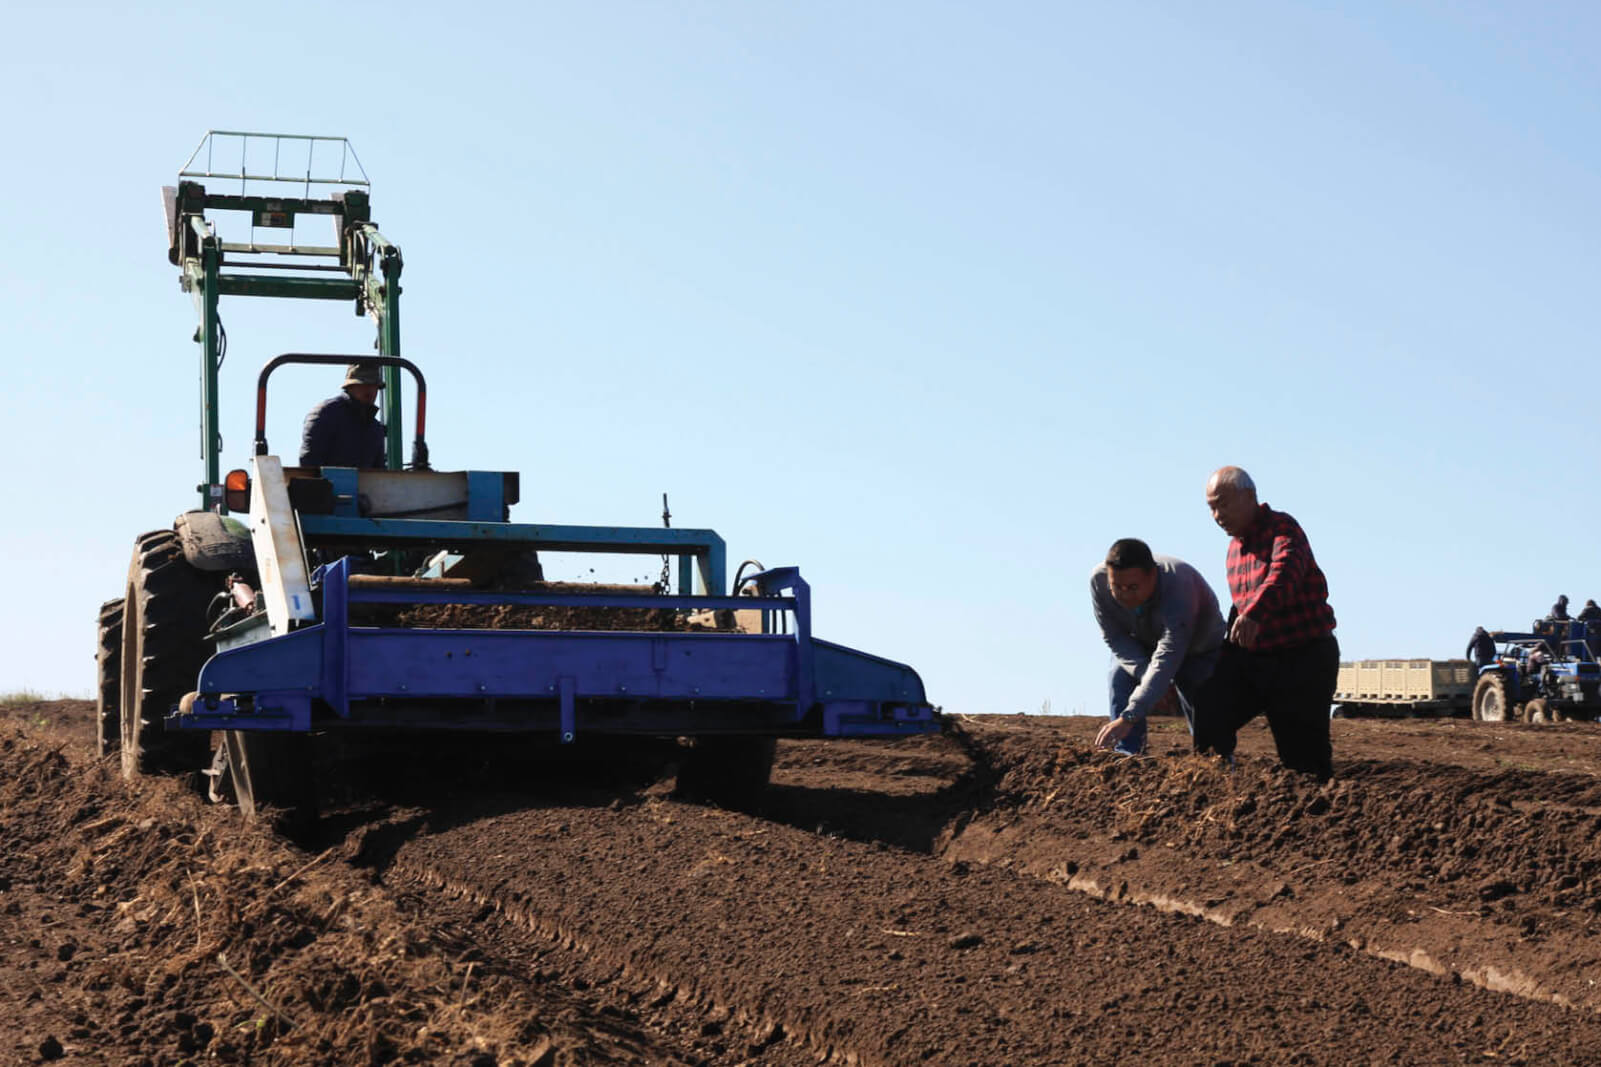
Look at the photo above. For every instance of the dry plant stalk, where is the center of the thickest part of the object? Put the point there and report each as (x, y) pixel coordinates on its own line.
(222, 960)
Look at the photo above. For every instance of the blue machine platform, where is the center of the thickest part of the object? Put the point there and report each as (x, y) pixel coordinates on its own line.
(335, 675)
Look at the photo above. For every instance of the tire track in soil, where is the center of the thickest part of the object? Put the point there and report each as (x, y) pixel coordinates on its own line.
(867, 954)
(119, 904)
(717, 1031)
(724, 1030)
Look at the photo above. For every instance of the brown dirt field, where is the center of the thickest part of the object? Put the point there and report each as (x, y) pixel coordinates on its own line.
(1001, 894)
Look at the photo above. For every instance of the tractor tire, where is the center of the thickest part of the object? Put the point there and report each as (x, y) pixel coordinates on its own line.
(1491, 701)
(108, 678)
(163, 648)
(1538, 711)
(730, 771)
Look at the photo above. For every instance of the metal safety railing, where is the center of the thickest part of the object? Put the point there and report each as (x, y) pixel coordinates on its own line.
(320, 168)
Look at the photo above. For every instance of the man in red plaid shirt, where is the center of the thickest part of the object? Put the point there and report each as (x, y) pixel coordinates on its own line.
(1279, 656)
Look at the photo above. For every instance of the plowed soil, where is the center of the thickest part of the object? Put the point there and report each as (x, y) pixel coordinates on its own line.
(998, 895)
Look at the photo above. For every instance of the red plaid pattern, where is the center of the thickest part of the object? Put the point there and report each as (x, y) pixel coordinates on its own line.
(1277, 584)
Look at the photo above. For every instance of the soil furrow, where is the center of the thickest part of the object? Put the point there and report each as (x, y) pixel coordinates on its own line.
(721, 1030)
(1452, 870)
(880, 956)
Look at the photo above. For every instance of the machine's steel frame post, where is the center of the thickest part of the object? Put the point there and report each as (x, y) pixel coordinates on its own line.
(335, 637)
(382, 296)
(203, 285)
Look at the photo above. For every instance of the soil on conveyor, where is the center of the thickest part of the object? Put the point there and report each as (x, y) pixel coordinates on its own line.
(1001, 894)
(553, 617)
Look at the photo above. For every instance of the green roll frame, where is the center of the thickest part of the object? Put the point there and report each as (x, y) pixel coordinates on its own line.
(363, 267)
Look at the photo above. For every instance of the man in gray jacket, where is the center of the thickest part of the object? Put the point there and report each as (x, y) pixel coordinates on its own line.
(1162, 623)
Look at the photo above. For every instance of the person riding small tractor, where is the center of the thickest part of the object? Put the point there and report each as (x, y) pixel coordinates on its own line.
(1549, 674)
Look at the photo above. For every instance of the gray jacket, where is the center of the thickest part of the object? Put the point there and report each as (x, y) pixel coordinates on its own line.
(1181, 621)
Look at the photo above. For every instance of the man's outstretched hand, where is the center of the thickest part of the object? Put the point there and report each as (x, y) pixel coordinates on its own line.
(1113, 732)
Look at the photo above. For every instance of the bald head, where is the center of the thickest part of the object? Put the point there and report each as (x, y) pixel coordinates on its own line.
(1230, 477)
(1231, 495)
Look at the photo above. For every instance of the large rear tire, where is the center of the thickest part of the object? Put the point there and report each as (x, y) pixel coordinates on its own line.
(108, 678)
(729, 771)
(163, 649)
(1491, 702)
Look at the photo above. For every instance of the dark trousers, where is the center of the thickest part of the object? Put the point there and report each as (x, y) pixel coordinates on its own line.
(1293, 687)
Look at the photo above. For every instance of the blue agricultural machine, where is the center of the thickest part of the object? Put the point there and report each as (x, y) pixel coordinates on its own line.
(404, 601)
(1548, 674)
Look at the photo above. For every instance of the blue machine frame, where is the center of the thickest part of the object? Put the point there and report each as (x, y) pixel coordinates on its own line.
(301, 664)
(335, 675)
(485, 524)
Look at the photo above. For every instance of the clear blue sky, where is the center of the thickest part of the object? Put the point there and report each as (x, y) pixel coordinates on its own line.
(934, 301)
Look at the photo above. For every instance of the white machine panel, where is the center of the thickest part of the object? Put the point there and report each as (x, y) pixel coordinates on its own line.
(280, 559)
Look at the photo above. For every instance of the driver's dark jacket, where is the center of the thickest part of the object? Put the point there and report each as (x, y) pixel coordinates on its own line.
(341, 432)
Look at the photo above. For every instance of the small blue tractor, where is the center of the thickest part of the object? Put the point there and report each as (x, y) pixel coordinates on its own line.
(1549, 674)
(352, 603)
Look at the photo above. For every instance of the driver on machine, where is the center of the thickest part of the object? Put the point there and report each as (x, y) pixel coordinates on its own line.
(344, 430)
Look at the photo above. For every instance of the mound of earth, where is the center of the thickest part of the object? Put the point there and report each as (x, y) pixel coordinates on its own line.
(1489, 872)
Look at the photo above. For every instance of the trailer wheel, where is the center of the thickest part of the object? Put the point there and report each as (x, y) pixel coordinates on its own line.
(108, 677)
(1490, 699)
(163, 648)
(729, 771)
(1537, 711)
(268, 773)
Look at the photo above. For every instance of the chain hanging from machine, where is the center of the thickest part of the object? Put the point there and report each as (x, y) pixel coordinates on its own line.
(664, 584)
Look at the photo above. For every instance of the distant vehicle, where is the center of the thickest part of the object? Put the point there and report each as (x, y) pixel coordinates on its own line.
(1395, 688)
(1550, 674)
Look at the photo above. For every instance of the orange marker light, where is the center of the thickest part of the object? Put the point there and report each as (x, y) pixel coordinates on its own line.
(236, 490)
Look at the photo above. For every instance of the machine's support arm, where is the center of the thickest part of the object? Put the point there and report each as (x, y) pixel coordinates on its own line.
(380, 298)
(200, 279)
